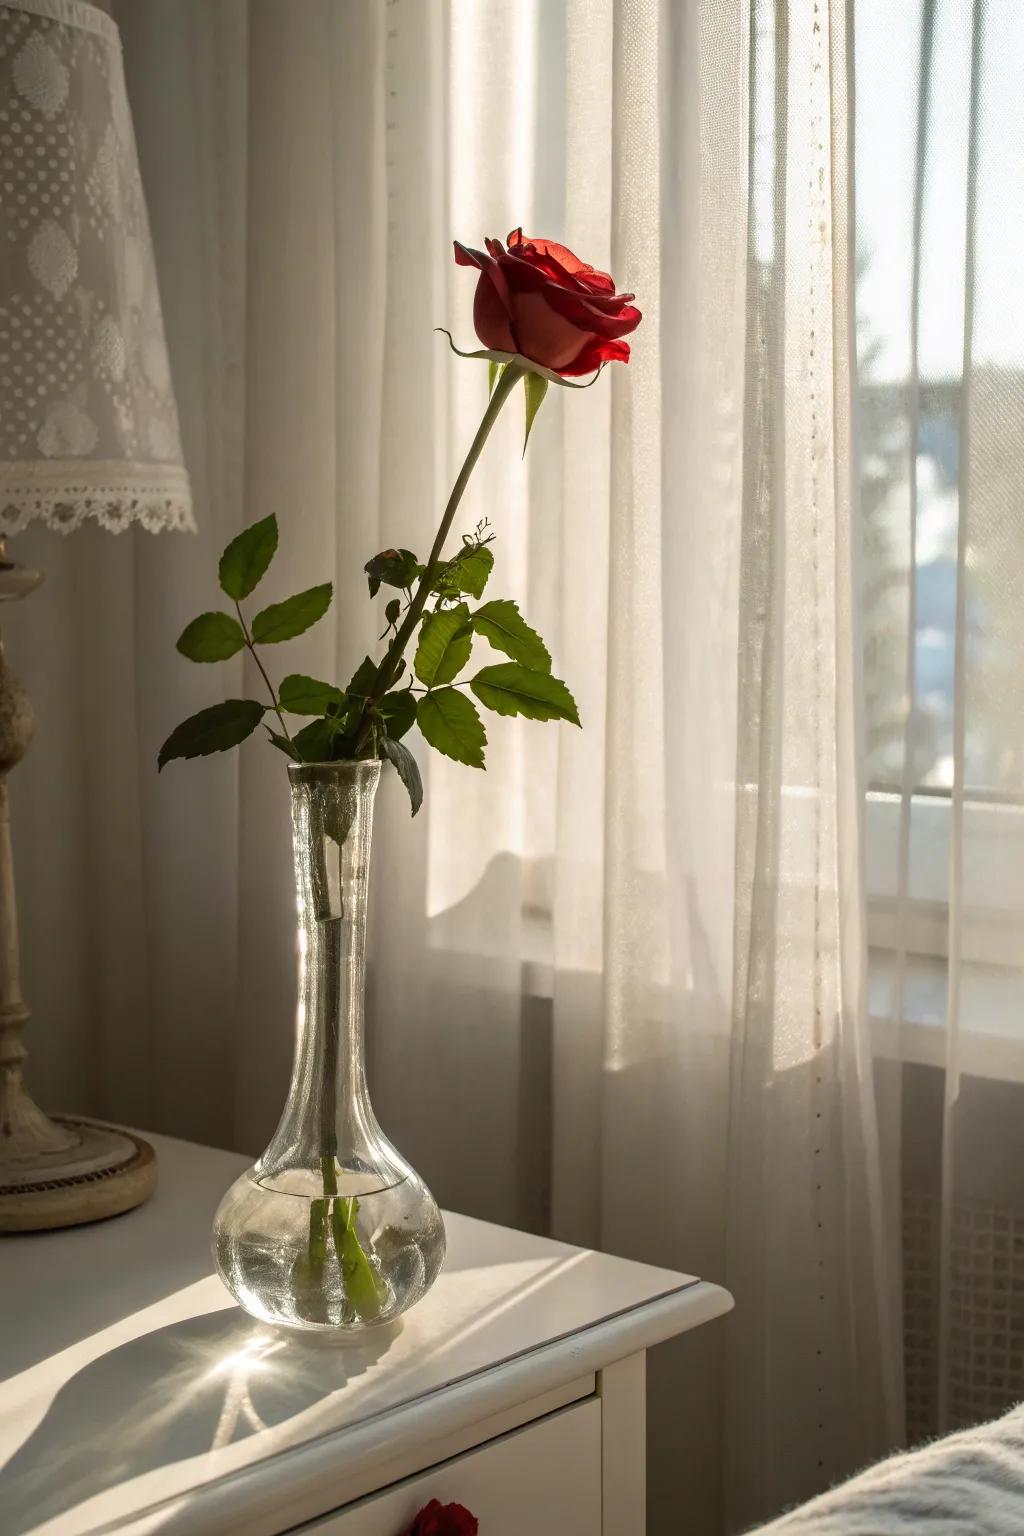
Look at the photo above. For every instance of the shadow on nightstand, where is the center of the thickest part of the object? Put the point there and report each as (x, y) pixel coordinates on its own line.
(207, 1382)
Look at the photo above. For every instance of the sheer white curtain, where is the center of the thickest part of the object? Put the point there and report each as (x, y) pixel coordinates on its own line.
(617, 981)
(941, 226)
(818, 1337)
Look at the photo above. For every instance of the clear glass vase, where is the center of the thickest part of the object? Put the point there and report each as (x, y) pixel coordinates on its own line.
(331, 1230)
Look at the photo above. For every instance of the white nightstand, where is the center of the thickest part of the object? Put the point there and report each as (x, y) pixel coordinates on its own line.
(137, 1397)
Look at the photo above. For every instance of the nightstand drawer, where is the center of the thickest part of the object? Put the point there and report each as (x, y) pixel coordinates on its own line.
(544, 1478)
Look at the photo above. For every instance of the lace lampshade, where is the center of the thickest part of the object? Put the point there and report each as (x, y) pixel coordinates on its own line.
(88, 424)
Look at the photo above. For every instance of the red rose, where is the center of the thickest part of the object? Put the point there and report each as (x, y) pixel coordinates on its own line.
(541, 301)
(436, 1519)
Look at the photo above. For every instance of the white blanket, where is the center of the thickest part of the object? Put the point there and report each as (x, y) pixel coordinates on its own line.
(967, 1484)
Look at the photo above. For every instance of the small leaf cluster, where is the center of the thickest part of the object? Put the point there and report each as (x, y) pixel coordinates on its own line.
(382, 701)
(448, 718)
(466, 572)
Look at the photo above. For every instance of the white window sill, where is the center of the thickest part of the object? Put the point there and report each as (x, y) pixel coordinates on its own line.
(991, 1037)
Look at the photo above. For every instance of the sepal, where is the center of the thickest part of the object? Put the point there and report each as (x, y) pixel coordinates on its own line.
(521, 362)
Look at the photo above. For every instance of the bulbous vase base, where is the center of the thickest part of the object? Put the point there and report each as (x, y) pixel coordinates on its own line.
(338, 1264)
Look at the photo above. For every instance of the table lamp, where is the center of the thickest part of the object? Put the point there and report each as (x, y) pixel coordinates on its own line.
(88, 432)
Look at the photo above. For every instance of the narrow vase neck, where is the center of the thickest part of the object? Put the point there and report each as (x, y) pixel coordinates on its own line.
(328, 1119)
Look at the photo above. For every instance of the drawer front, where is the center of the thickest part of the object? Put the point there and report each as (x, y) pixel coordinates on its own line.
(544, 1479)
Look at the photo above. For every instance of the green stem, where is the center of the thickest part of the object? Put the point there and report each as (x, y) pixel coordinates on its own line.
(358, 1278)
(263, 671)
(357, 1275)
(308, 1269)
(388, 669)
(329, 1169)
(318, 1214)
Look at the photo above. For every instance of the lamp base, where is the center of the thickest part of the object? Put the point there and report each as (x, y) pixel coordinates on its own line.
(103, 1173)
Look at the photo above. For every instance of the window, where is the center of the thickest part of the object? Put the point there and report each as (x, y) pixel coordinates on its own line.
(941, 423)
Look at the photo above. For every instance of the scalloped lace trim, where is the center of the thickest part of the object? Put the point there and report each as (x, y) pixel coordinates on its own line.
(113, 495)
(70, 13)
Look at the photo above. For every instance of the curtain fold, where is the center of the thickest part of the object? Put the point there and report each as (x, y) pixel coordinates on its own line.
(807, 1241)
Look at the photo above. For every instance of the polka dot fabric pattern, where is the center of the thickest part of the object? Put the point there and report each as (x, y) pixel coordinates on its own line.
(88, 423)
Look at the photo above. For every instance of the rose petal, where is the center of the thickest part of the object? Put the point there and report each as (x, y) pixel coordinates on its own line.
(437, 1519)
(522, 276)
(545, 336)
(492, 303)
(609, 303)
(548, 266)
(465, 256)
(490, 315)
(594, 354)
(576, 277)
(592, 277)
(589, 317)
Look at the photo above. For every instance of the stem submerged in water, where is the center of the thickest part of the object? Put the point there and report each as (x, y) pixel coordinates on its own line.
(360, 1283)
(362, 1286)
(318, 1213)
(358, 1278)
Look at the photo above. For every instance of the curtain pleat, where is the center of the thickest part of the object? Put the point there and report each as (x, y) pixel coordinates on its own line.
(807, 1239)
(956, 832)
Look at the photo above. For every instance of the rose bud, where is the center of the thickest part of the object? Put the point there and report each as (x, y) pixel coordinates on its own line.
(537, 299)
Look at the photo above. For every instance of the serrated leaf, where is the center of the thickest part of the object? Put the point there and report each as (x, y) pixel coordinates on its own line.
(301, 695)
(211, 637)
(399, 712)
(450, 723)
(391, 568)
(471, 569)
(315, 742)
(535, 386)
(362, 678)
(215, 729)
(284, 745)
(510, 689)
(244, 563)
(503, 626)
(407, 767)
(445, 643)
(283, 621)
(392, 610)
